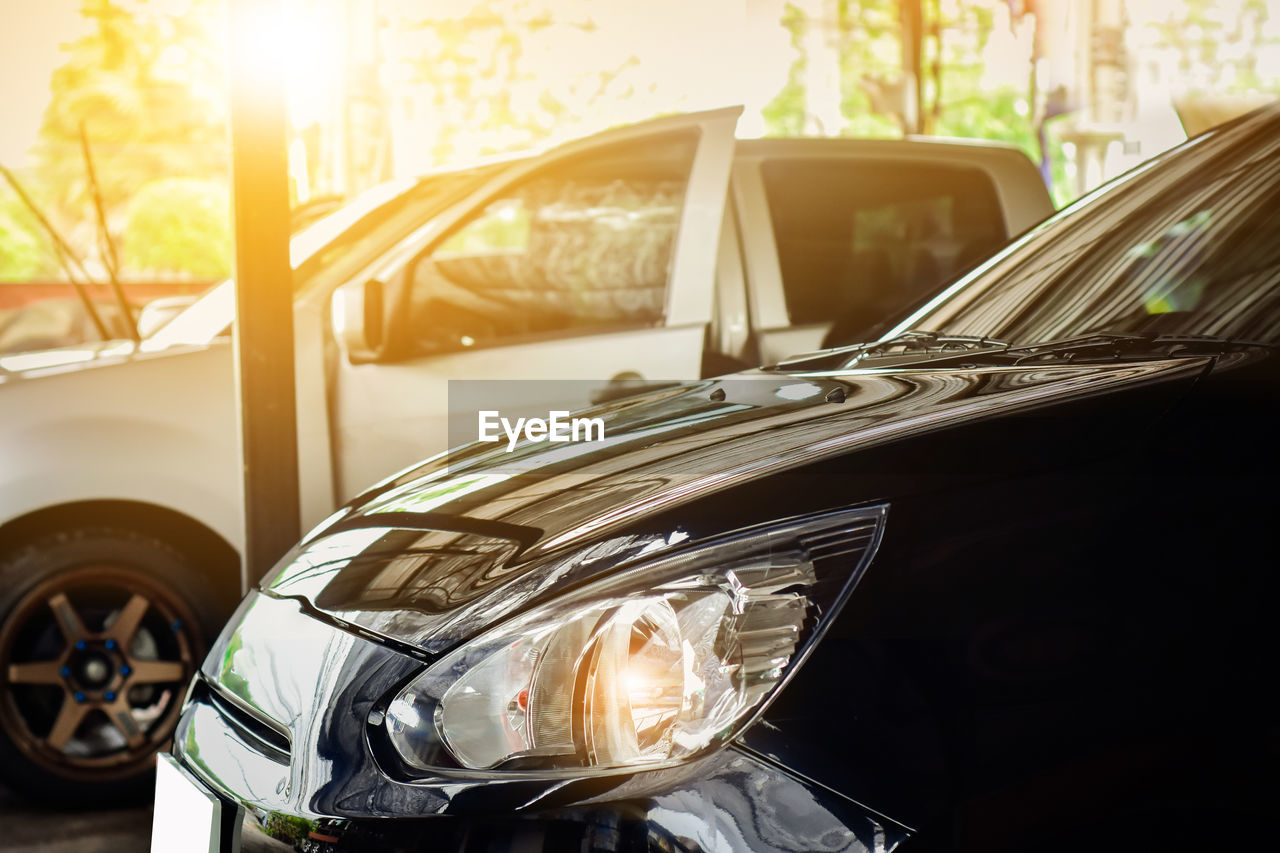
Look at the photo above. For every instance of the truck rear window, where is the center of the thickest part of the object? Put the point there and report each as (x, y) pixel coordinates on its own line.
(860, 240)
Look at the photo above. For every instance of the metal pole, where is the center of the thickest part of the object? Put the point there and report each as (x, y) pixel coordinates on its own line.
(264, 291)
(912, 16)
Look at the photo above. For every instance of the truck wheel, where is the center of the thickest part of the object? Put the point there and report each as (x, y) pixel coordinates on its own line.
(100, 632)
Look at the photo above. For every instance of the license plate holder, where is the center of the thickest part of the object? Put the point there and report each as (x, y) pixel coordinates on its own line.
(189, 818)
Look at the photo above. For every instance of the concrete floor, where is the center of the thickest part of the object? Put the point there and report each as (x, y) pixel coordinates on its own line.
(27, 828)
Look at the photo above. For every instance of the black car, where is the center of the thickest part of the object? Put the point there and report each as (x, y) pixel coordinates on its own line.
(1005, 579)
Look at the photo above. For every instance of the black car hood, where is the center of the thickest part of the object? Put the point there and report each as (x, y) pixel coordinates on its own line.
(440, 552)
(294, 685)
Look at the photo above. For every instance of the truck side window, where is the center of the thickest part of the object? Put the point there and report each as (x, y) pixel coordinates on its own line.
(872, 237)
(582, 245)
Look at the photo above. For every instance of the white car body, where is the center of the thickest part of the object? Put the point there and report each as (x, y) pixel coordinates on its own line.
(126, 435)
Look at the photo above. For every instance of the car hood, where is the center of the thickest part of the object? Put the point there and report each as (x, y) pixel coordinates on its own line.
(436, 554)
(23, 366)
(292, 689)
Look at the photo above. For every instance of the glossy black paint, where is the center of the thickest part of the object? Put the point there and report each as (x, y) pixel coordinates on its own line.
(340, 781)
(1063, 642)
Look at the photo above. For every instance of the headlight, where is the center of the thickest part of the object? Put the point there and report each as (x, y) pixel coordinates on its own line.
(647, 668)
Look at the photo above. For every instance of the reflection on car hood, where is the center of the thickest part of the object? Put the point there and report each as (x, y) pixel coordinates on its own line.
(670, 446)
(444, 550)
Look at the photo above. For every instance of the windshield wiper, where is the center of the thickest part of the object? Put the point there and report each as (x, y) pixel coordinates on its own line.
(935, 349)
(914, 345)
(1099, 346)
(1119, 345)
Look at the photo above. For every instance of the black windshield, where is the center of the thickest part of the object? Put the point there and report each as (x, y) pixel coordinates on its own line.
(1186, 245)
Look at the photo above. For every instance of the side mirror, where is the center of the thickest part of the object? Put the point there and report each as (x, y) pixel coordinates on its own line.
(358, 313)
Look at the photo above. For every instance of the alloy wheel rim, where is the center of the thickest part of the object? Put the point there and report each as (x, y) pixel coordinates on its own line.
(93, 664)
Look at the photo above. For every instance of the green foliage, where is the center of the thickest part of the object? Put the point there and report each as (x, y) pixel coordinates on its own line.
(1218, 51)
(868, 48)
(149, 89)
(25, 252)
(491, 85)
(965, 100)
(960, 97)
(998, 115)
(959, 101)
(180, 225)
(784, 115)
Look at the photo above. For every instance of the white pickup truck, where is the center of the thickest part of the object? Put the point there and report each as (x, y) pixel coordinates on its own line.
(665, 250)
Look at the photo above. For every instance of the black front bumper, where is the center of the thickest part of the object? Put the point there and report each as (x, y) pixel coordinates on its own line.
(296, 747)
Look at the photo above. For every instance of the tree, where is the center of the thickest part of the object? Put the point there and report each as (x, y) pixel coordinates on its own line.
(865, 34)
(24, 250)
(1217, 47)
(148, 88)
(179, 224)
(967, 99)
(960, 95)
(499, 76)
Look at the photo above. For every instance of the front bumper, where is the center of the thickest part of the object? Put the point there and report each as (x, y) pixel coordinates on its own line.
(290, 739)
(742, 804)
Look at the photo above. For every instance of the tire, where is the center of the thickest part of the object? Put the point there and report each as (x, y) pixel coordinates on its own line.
(101, 630)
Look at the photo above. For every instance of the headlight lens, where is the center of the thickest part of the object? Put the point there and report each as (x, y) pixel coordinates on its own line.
(648, 668)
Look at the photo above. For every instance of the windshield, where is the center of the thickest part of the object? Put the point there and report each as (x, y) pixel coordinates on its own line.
(366, 225)
(1188, 244)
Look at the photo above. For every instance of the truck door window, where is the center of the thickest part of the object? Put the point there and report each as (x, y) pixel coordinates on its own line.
(872, 237)
(586, 244)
